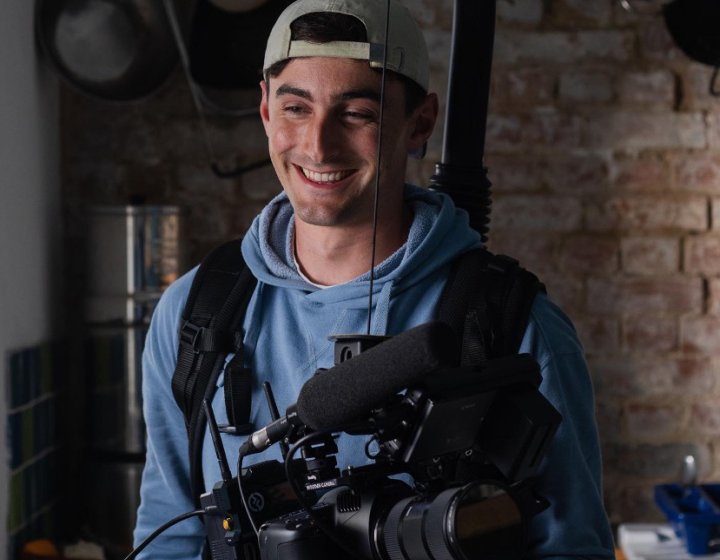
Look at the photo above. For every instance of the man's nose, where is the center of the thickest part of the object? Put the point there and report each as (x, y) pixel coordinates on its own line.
(322, 138)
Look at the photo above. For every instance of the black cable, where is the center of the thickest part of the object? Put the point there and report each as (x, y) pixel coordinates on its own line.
(163, 528)
(377, 167)
(241, 455)
(329, 531)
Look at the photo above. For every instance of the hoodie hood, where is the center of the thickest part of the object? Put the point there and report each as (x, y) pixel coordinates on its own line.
(268, 249)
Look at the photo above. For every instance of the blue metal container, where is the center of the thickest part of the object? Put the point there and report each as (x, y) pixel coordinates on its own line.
(694, 513)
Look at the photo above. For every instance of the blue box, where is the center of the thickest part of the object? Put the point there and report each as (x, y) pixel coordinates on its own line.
(694, 513)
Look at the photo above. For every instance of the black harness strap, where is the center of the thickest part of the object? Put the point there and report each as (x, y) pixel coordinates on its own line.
(511, 298)
(211, 328)
(487, 302)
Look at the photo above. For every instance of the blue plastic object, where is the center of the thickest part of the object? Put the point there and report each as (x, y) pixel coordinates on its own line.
(694, 513)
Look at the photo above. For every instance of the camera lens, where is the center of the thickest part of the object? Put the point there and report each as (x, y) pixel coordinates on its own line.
(401, 520)
(473, 521)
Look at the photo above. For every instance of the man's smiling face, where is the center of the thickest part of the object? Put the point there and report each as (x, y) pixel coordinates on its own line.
(321, 116)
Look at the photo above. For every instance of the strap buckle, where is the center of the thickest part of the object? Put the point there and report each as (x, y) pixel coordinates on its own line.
(190, 335)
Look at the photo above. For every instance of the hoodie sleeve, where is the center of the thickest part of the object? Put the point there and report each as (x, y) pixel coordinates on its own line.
(575, 525)
(165, 488)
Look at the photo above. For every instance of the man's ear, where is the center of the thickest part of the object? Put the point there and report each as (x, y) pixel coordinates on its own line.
(264, 110)
(422, 123)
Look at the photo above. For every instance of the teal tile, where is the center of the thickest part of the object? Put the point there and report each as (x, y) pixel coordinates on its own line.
(28, 434)
(15, 435)
(16, 514)
(30, 491)
(61, 357)
(42, 476)
(42, 426)
(47, 364)
(20, 386)
(52, 431)
(54, 473)
(37, 486)
(15, 377)
(32, 371)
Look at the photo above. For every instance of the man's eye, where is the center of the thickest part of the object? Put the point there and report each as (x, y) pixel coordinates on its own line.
(293, 109)
(359, 116)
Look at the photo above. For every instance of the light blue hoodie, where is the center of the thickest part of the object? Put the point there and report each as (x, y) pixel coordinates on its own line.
(286, 340)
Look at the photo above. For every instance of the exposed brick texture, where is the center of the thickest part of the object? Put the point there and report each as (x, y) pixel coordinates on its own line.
(645, 173)
(701, 334)
(638, 296)
(657, 462)
(654, 89)
(520, 11)
(698, 173)
(620, 376)
(702, 254)
(625, 129)
(713, 296)
(706, 417)
(586, 86)
(561, 47)
(537, 213)
(528, 86)
(650, 333)
(712, 123)
(655, 422)
(601, 335)
(589, 254)
(603, 147)
(649, 256)
(648, 213)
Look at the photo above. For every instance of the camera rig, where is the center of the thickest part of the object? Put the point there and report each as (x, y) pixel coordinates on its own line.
(450, 473)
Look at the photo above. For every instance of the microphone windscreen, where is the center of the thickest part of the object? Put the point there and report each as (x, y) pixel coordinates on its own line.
(352, 388)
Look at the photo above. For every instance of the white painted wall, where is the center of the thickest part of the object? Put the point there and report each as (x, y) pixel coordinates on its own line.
(29, 203)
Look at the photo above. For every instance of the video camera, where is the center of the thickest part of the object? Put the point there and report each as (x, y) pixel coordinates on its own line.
(452, 459)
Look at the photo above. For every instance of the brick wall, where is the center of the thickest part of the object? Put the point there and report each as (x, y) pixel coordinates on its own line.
(603, 146)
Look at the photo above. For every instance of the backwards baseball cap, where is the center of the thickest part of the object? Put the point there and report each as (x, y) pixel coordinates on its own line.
(407, 53)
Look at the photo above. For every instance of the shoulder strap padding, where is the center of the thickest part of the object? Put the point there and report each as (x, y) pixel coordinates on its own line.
(487, 301)
(210, 328)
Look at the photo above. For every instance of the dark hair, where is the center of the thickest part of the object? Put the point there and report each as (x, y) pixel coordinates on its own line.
(323, 27)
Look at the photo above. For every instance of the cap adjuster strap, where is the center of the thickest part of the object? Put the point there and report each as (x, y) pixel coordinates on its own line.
(372, 52)
(336, 49)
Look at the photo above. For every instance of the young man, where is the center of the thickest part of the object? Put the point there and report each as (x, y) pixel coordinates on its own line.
(311, 248)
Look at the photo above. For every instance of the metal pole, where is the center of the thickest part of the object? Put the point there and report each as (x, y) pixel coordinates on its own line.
(469, 82)
(460, 173)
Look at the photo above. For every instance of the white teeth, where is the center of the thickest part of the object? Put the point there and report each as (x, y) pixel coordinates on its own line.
(325, 177)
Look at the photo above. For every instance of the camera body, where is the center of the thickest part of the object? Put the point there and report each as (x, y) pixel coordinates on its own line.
(467, 442)
(352, 514)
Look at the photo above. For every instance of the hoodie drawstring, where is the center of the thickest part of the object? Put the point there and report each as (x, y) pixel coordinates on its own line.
(381, 312)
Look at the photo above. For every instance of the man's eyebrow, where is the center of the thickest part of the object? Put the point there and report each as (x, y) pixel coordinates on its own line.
(292, 90)
(366, 93)
(371, 94)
